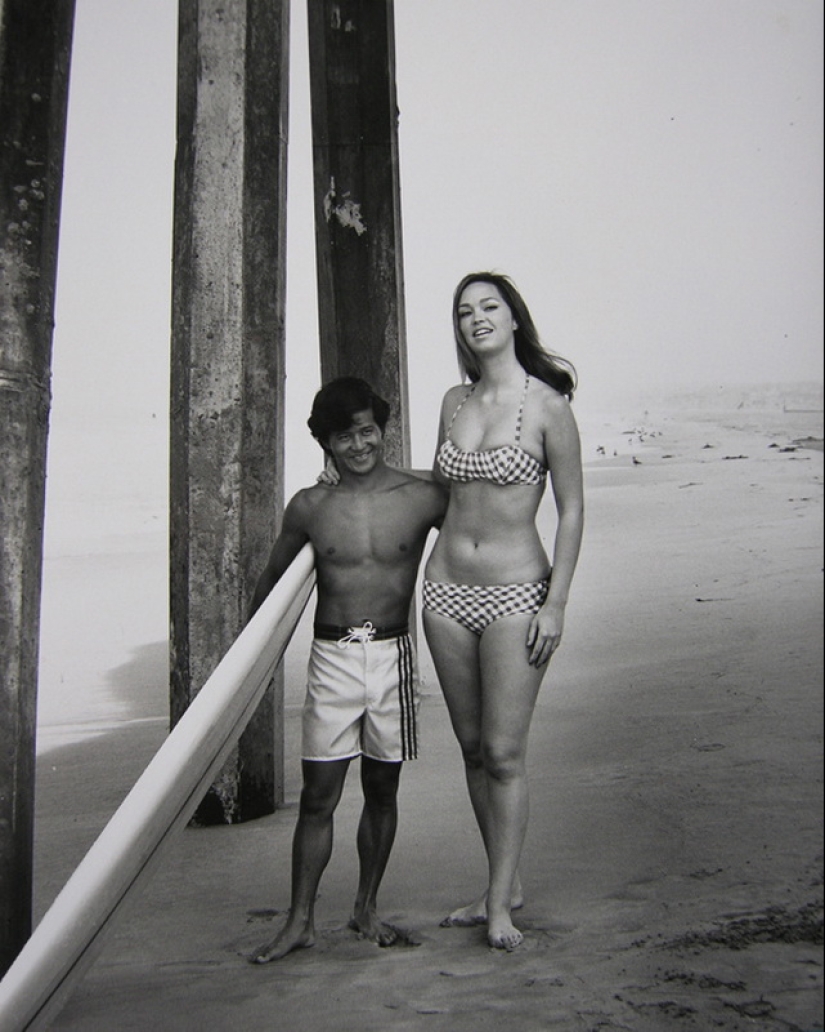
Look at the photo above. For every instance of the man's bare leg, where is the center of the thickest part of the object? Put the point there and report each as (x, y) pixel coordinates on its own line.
(376, 834)
(311, 850)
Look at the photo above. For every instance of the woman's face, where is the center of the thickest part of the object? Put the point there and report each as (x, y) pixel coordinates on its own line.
(484, 318)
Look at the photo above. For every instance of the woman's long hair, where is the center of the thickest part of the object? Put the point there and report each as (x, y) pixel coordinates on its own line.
(552, 369)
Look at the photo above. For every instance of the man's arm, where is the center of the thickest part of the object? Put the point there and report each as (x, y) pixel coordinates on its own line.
(292, 538)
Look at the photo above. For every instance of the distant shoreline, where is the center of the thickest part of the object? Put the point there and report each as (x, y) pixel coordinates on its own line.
(816, 443)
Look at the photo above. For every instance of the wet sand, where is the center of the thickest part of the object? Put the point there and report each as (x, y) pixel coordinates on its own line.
(673, 866)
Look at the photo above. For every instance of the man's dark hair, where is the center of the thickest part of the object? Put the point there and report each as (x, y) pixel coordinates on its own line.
(337, 402)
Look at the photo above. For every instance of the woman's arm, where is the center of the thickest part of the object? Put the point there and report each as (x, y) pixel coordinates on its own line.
(563, 456)
(563, 451)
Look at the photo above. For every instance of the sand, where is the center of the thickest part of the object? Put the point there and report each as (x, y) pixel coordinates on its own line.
(673, 866)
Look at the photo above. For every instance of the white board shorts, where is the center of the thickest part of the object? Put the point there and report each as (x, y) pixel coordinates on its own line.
(362, 700)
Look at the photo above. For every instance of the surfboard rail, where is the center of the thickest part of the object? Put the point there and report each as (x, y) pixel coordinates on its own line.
(66, 941)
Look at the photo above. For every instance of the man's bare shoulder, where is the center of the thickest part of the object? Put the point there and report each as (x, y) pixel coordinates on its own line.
(421, 486)
(305, 503)
(396, 488)
(419, 497)
(315, 494)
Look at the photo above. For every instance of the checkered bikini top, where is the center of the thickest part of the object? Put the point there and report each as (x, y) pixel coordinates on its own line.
(510, 464)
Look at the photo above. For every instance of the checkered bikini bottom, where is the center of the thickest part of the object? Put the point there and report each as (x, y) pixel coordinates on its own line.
(476, 606)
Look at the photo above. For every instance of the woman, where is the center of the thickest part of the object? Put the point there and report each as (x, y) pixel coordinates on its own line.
(493, 615)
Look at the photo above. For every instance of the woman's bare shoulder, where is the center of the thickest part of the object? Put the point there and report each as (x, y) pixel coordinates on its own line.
(557, 424)
(552, 405)
(451, 400)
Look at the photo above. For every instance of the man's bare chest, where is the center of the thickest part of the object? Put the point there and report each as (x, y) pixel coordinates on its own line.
(358, 530)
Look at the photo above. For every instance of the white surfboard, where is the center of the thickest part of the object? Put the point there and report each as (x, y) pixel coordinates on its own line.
(68, 938)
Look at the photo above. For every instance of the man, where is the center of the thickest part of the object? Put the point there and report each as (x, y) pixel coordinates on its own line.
(368, 534)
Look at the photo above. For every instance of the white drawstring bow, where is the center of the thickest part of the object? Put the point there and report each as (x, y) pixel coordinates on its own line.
(360, 634)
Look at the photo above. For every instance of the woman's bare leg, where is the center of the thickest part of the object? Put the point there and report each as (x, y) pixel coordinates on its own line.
(509, 690)
(455, 652)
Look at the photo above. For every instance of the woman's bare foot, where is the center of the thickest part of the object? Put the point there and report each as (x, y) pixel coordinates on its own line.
(503, 935)
(288, 939)
(368, 926)
(475, 913)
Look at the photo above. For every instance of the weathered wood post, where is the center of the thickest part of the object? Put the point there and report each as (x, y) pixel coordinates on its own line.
(35, 50)
(357, 202)
(228, 360)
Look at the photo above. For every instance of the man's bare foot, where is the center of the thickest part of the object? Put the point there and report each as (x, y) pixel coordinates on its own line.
(286, 941)
(368, 926)
(475, 913)
(503, 935)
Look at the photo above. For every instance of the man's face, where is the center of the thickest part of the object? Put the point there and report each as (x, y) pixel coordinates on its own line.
(360, 447)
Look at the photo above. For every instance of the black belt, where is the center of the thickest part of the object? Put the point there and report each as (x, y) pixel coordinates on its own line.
(366, 632)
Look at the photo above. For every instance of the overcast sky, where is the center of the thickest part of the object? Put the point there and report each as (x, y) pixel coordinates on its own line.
(648, 171)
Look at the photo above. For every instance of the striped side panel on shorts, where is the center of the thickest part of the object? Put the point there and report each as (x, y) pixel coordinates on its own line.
(406, 698)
